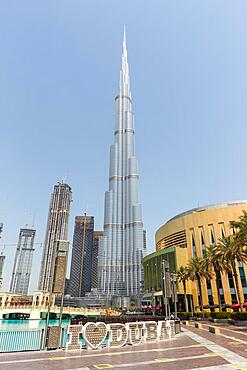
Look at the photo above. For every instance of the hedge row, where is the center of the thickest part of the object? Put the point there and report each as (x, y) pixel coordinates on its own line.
(214, 315)
(117, 319)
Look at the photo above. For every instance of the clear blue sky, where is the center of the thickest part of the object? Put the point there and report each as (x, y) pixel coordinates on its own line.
(59, 73)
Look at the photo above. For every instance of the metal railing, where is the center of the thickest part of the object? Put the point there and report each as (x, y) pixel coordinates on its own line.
(67, 309)
(21, 340)
(26, 340)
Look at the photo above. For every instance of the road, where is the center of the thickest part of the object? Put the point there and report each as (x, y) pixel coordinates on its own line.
(192, 349)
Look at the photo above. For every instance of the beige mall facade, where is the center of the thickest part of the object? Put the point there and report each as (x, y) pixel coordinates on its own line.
(188, 234)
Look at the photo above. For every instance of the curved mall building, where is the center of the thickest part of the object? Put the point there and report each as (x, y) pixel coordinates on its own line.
(184, 236)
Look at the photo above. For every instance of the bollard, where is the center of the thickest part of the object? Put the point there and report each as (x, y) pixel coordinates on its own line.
(177, 326)
(42, 344)
(186, 322)
(214, 330)
(198, 325)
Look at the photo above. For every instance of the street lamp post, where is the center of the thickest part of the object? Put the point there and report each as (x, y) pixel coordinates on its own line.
(61, 248)
(50, 290)
(66, 245)
(165, 265)
(174, 292)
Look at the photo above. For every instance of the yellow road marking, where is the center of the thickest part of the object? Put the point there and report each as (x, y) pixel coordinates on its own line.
(112, 354)
(103, 366)
(165, 359)
(233, 342)
(144, 351)
(57, 358)
(177, 359)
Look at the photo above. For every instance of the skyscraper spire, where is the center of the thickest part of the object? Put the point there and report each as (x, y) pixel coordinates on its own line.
(123, 247)
(124, 40)
(124, 73)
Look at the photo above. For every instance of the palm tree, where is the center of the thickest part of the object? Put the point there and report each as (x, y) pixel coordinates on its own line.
(182, 276)
(232, 253)
(239, 244)
(198, 272)
(240, 230)
(214, 261)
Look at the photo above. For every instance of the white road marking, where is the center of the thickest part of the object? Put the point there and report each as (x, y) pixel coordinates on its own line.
(227, 336)
(166, 360)
(227, 367)
(99, 354)
(233, 331)
(231, 357)
(227, 329)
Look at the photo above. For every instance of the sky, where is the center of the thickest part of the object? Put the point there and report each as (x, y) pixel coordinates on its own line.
(59, 74)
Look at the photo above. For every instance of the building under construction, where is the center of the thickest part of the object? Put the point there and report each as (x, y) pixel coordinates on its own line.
(23, 262)
(54, 261)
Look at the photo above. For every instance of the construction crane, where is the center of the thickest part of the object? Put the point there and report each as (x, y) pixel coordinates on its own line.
(15, 244)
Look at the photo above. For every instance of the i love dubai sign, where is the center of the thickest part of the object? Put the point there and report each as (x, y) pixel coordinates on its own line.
(117, 335)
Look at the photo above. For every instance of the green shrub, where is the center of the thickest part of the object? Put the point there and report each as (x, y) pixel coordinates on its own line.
(200, 314)
(184, 315)
(239, 315)
(220, 315)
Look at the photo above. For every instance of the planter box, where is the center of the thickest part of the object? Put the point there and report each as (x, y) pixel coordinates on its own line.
(221, 321)
(239, 322)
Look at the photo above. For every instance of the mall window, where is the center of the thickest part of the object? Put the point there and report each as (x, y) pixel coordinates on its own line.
(222, 233)
(212, 238)
(218, 276)
(193, 246)
(242, 275)
(208, 285)
(198, 294)
(222, 298)
(209, 292)
(234, 298)
(219, 279)
(230, 279)
(210, 299)
(203, 244)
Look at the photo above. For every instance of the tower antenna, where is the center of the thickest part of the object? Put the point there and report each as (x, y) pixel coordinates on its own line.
(33, 220)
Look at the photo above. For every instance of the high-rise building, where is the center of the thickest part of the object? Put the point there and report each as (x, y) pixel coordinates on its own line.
(23, 262)
(123, 249)
(97, 239)
(145, 240)
(2, 258)
(81, 261)
(54, 260)
(66, 286)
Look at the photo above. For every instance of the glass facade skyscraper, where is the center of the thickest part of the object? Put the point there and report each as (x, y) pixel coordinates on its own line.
(53, 266)
(23, 262)
(81, 261)
(123, 245)
(97, 240)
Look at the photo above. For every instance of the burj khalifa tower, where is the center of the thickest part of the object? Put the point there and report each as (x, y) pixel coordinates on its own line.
(123, 242)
